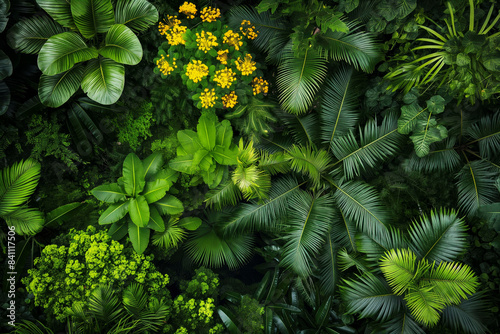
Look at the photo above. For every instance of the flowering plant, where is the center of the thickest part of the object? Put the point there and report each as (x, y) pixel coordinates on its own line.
(212, 59)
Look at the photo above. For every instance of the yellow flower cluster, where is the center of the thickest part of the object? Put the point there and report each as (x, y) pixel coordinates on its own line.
(196, 70)
(229, 100)
(172, 29)
(246, 66)
(208, 98)
(209, 14)
(222, 56)
(248, 29)
(260, 86)
(206, 41)
(166, 66)
(233, 39)
(189, 9)
(225, 77)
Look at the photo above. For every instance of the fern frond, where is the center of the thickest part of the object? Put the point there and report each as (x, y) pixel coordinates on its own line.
(274, 163)
(225, 194)
(309, 162)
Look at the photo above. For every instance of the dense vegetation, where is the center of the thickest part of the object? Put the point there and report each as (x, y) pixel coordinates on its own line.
(267, 166)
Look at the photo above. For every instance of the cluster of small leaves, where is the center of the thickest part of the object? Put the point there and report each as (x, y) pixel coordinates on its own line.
(136, 128)
(68, 272)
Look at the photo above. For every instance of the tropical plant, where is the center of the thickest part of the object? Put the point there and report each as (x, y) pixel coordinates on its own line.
(63, 46)
(473, 63)
(419, 281)
(5, 62)
(139, 199)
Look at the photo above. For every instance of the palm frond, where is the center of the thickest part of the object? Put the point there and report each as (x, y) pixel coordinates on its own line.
(442, 158)
(307, 224)
(399, 267)
(339, 107)
(274, 163)
(348, 260)
(171, 237)
(402, 324)
(329, 275)
(360, 203)
(225, 194)
(27, 221)
(377, 143)
(305, 129)
(135, 300)
(17, 184)
(28, 327)
(486, 133)
(251, 181)
(375, 247)
(312, 163)
(356, 48)
(441, 237)
(266, 216)
(299, 79)
(371, 297)
(476, 186)
(104, 304)
(279, 142)
(425, 305)
(208, 246)
(343, 231)
(468, 316)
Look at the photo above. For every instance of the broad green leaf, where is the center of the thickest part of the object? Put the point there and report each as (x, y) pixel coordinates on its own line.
(62, 214)
(104, 80)
(202, 160)
(133, 175)
(62, 51)
(122, 45)
(60, 11)
(114, 213)
(139, 236)
(225, 156)
(190, 223)
(410, 114)
(156, 223)
(4, 98)
(92, 16)
(27, 221)
(436, 104)
(4, 14)
(109, 193)
(17, 183)
(139, 211)
(224, 134)
(152, 165)
(28, 36)
(138, 15)
(168, 175)
(118, 229)
(207, 131)
(169, 205)
(183, 164)
(155, 190)
(5, 66)
(55, 90)
(189, 141)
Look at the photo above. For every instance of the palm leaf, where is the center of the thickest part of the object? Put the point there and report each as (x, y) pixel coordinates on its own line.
(399, 267)
(441, 237)
(338, 111)
(298, 80)
(274, 163)
(476, 186)
(468, 316)
(375, 247)
(308, 222)
(27, 221)
(305, 129)
(171, 236)
(377, 143)
(268, 215)
(225, 194)
(312, 163)
(104, 305)
(371, 297)
(17, 184)
(360, 203)
(348, 260)
(328, 266)
(63, 213)
(28, 327)
(442, 158)
(135, 300)
(425, 305)
(343, 231)
(138, 15)
(402, 324)
(486, 132)
(60, 11)
(356, 48)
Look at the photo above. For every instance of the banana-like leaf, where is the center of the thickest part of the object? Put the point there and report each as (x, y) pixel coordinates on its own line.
(118, 229)
(27, 221)
(190, 223)
(152, 165)
(155, 190)
(62, 51)
(109, 193)
(84, 117)
(139, 211)
(228, 319)
(114, 213)
(104, 80)
(62, 214)
(55, 90)
(133, 175)
(5, 66)
(60, 11)
(299, 79)
(28, 36)
(207, 132)
(139, 236)
(17, 184)
(122, 45)
(155, 221)
(138, 15)
(92, 16)
(4, 14)
(169, 205)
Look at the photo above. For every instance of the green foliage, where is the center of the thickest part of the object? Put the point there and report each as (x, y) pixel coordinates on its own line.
(61, 51)
(47, 140)
(135, 128)
(68, 272)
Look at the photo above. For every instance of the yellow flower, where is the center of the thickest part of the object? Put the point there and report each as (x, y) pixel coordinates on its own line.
(225, 77)
(166, 66)
(206, 41)
(208, 98)
(209, 14)
(196, 70)
(260, 86)
(229, 100)
(233, 39)
(174, 35)
(170, 22)
(246, 66)
(248, 30)
(189, 9)
(222, 56)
